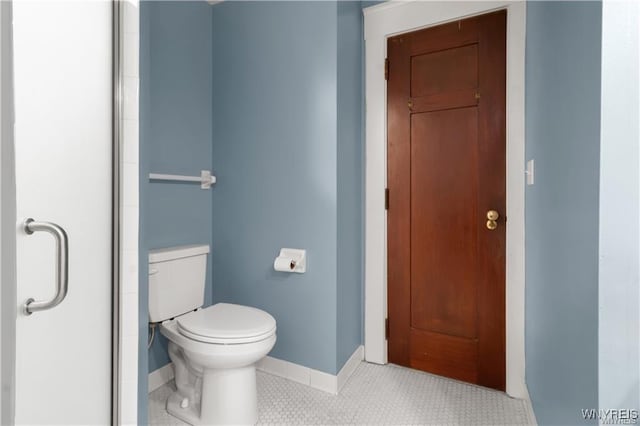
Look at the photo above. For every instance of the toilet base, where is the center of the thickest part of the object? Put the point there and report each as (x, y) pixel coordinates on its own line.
(229, 396)
(189, 415)
(216, 383)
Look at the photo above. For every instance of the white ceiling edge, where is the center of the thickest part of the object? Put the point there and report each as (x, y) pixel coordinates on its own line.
(214, 2)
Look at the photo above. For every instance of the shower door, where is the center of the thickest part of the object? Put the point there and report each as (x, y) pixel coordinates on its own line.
(63, 140)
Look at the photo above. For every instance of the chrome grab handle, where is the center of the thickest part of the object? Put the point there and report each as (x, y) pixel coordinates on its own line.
(62, 265)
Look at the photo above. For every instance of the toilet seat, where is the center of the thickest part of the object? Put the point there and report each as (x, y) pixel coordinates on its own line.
(227, 324)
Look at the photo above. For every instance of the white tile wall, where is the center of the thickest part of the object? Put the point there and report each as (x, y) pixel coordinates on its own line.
(130, 184)
(129, 226)
(130, 133)
(129, 402)
(130, 55)
(130, 97)
(131, 17)
(129, 316)
(129, 269)
(130, 213)
(130, 361)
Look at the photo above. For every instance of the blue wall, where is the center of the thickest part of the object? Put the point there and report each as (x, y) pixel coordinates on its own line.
(563, 136)
(350, 180)
(282, 150)
(275, 154)
(175, 137)
(287, 150)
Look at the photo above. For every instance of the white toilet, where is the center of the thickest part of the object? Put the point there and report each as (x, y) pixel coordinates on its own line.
(214, 350)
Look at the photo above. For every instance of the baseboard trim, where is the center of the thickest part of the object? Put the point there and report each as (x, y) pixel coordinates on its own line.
(160, 376)
(313, 378)
(288, 370)
(350, 367)
(532, 415)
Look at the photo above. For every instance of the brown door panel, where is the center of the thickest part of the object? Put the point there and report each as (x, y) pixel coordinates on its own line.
(446, 164)
(443, 210)
(449, 356)
(444, 71)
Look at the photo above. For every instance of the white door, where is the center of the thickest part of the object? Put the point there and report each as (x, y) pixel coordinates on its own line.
(63, 100)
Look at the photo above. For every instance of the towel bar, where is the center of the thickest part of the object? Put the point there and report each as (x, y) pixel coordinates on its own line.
(205, 178)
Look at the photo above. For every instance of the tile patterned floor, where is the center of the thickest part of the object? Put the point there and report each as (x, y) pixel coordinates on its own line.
(375, 394)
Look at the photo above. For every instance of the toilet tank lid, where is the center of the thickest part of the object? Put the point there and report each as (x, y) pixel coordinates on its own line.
(172, 253)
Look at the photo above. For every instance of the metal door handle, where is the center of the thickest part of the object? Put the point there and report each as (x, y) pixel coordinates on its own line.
(492, 218)
(62, 265)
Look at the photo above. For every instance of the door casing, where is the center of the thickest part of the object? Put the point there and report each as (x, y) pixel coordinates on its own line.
(389, 19)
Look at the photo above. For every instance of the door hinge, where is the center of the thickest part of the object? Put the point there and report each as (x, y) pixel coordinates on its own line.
(386, 198)
(386, 328)
(386, 68)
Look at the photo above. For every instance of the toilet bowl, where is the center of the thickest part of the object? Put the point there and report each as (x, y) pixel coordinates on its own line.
(214, 350)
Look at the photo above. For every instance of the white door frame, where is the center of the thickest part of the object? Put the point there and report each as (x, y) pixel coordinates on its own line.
(395, 17)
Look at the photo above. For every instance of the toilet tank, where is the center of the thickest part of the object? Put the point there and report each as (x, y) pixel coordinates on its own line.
(176, 280)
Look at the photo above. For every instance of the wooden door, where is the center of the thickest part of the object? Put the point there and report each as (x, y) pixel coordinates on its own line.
(446, 171)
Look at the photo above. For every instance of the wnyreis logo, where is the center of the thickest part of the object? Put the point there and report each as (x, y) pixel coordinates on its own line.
(620, 416)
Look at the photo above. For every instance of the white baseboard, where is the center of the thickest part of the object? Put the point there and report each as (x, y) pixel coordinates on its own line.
(350, 367)
(532, 415)
(160, 376)
(285, 369)
(308, 376)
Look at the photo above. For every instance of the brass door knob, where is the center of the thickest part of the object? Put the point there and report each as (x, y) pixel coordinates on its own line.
(492, 217)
